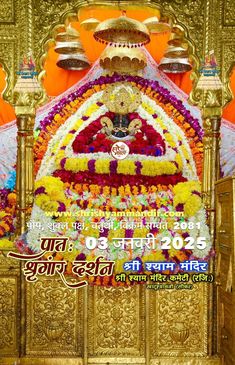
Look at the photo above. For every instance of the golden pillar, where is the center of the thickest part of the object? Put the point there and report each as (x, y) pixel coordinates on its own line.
(27, 91)
(24, 183)
(211, 102)
(26, 95)
(211, 115)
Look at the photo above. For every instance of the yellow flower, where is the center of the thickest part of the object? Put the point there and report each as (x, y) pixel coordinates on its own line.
(126, 167)
(57, 117)
(128, 189)
(185, 152)
(169, 139)
(58, 195)
(178, 159)
(121, 190)
(59, 156)
(70, 256)
(67, 139)
(6, 244)
(192, 205)
(45, 203)
(91, 109)
(55, 147)
(143, 189)
(50, 183)
(181, 197)
(155, 168)
(102, 166)
(78, 124)
(140, 232)
(106, 190)
(2, 214)
(91, 232)
(117, 233)
(184, 195)
(156, 256)
(148, 108)
(75, 164)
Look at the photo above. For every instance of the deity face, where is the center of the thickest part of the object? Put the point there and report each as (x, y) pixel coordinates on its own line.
(121, 126)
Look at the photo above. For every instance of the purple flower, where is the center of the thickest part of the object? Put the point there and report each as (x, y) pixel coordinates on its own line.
(91, 166)
(40, 190)
(165, 97)
(61, 207)
(138, 167)
(113, 167)
(62, 162)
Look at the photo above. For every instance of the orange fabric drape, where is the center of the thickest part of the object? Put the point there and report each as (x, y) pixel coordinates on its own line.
(229, 110)
(7, 113)
(183, 81)
(58, 80)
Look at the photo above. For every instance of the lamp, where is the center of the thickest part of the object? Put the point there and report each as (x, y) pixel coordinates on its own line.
(119, 60)
(122, 32)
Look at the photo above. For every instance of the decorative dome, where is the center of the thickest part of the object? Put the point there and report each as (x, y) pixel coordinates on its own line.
(90, 23)
(176, 52)
(175, 65)
(73, 62)
(69, 47)
(177, 37)
(156, 25)
(70, 34)
(122, 32)
(121, 61)
(68, 42)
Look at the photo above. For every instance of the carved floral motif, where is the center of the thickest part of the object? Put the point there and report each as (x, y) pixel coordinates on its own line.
(8, 302)
(54, 320)
(179, 322)
(116, 325)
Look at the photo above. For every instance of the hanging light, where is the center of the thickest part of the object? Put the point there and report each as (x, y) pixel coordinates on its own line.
(119, 60)
(156, 25)
(73, 62)
(175, 65)
(122, 32)
(177, 40)
(68, 42)
(72, 56)
(176, 37)
(175, 58)
(90, 24)
(176, 52)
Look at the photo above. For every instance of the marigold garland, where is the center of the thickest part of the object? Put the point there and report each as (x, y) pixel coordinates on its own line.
(7, 212)
(173, 107)
(84, 180)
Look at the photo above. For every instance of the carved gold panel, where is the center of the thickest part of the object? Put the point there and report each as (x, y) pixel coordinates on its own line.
(54, 319)
(9, 315)
(178, 322)
(228, 13)
(116, 321)
(7, 11)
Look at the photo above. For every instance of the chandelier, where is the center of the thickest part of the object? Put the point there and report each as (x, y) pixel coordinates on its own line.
(175, 58)
(156, 25)
(72, 55)
(119, 60)
(122, 32)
